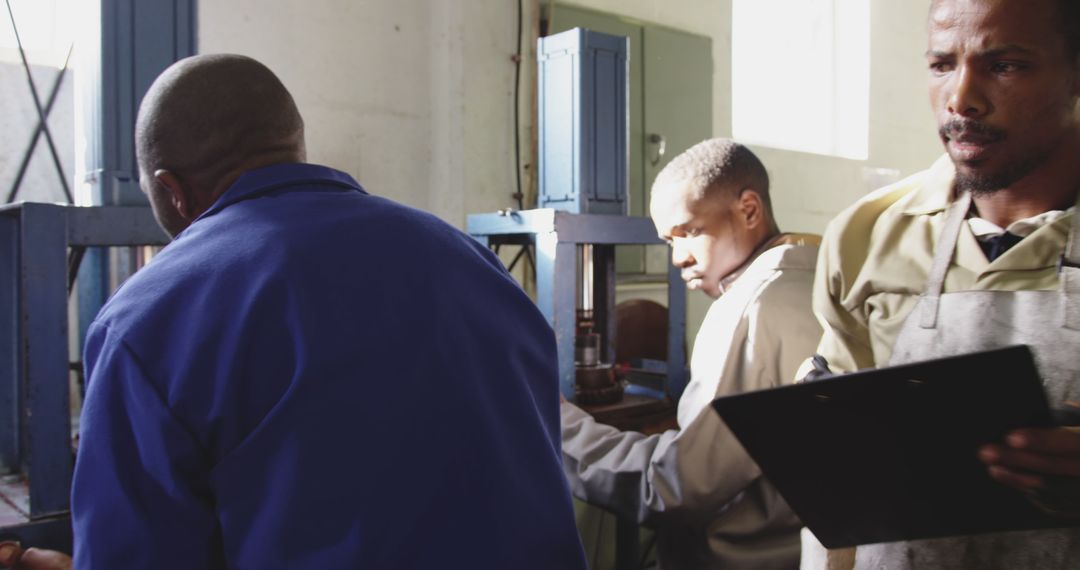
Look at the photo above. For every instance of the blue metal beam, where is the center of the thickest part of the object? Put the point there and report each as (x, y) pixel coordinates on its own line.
(557, 235)
(46, 453)
(556, 270)
(575, 228)
(35, 414)
(113, 225)
(604, 295)
(10, 371)
(138, 40)
(676, 375)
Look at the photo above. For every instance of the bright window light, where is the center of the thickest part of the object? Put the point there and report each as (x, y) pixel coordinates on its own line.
(801, 75)
(46, 28)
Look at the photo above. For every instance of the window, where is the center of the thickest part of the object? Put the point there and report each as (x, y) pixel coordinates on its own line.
(801, 75)
(46, 29)
(30, 168)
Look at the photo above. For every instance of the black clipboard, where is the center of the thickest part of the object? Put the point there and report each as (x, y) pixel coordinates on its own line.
(890, 454)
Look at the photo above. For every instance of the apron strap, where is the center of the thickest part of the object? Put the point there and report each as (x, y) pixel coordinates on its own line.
(943, 254)
(1069, 274)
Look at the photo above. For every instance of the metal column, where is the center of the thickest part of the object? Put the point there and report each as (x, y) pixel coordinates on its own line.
(556, 235)
(36, 457)
(10, 375)
(46, 441)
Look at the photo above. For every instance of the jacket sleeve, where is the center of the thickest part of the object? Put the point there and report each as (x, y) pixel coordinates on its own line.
(139, 496)
(845, 342)
(687, 474)
(691, 474)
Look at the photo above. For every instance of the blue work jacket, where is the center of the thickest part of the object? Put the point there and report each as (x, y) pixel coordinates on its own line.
(309, 376)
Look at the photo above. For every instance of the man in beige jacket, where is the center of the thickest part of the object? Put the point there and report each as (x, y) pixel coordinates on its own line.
(696, 485)
(980, 251)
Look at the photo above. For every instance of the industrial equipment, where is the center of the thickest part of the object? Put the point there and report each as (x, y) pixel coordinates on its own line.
(581, 218)
(40, 246)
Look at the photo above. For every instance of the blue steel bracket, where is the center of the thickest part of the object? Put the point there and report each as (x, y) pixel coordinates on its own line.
(35, 432)
(10, 348)
(113, 226)
(677, 369)
(569, 227)
(45, 435)
(556, 235)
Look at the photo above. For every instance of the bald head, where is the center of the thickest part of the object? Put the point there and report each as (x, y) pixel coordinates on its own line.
(206, 120)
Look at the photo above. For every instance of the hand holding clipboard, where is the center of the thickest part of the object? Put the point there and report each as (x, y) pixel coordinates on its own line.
(893, 453)
(1042, 463)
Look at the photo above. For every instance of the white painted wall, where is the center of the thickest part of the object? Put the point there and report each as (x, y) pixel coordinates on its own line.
(810, 189)
(414, 98)
(704, 17)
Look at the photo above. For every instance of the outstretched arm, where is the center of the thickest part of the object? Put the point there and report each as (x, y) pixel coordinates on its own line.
(751, 339)
(688, 474)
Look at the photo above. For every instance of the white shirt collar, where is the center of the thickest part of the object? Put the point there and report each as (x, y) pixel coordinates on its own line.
(984, 229)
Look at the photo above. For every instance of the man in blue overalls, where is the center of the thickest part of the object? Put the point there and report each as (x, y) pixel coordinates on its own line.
(309, 376)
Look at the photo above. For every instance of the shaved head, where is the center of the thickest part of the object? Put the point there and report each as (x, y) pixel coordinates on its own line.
(713, 168)
(206, 120)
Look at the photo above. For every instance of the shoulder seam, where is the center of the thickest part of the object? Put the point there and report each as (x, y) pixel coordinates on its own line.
(144, 374)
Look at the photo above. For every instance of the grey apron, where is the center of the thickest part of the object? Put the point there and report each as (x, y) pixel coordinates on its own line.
(968, 321)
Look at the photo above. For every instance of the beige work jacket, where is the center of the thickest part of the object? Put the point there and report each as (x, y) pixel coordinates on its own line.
(874, 263)
(696, 486)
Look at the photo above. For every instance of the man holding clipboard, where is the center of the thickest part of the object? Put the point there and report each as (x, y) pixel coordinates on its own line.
(980, 251)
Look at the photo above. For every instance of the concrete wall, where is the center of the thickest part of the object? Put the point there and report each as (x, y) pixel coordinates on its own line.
(412, 98)
(704, 17)
(415, 98)
(810, 189)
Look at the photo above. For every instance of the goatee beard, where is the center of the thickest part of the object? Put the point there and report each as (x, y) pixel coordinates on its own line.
(980, 184)
(983, 184)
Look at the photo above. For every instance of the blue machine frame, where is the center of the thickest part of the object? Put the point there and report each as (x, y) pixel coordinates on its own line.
(583, 105)
(556, 235)
(35, 433)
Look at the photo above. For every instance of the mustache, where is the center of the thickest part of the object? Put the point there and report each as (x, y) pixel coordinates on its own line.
(959, 127)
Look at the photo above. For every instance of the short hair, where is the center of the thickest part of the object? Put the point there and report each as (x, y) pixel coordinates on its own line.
(716, 165)
(1068, 18)
(1069, 22)
(207, 113)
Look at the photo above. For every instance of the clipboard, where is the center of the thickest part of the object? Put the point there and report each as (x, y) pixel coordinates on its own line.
(890, 454)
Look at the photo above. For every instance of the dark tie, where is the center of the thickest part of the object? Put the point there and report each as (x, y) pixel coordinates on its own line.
(997, 245)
